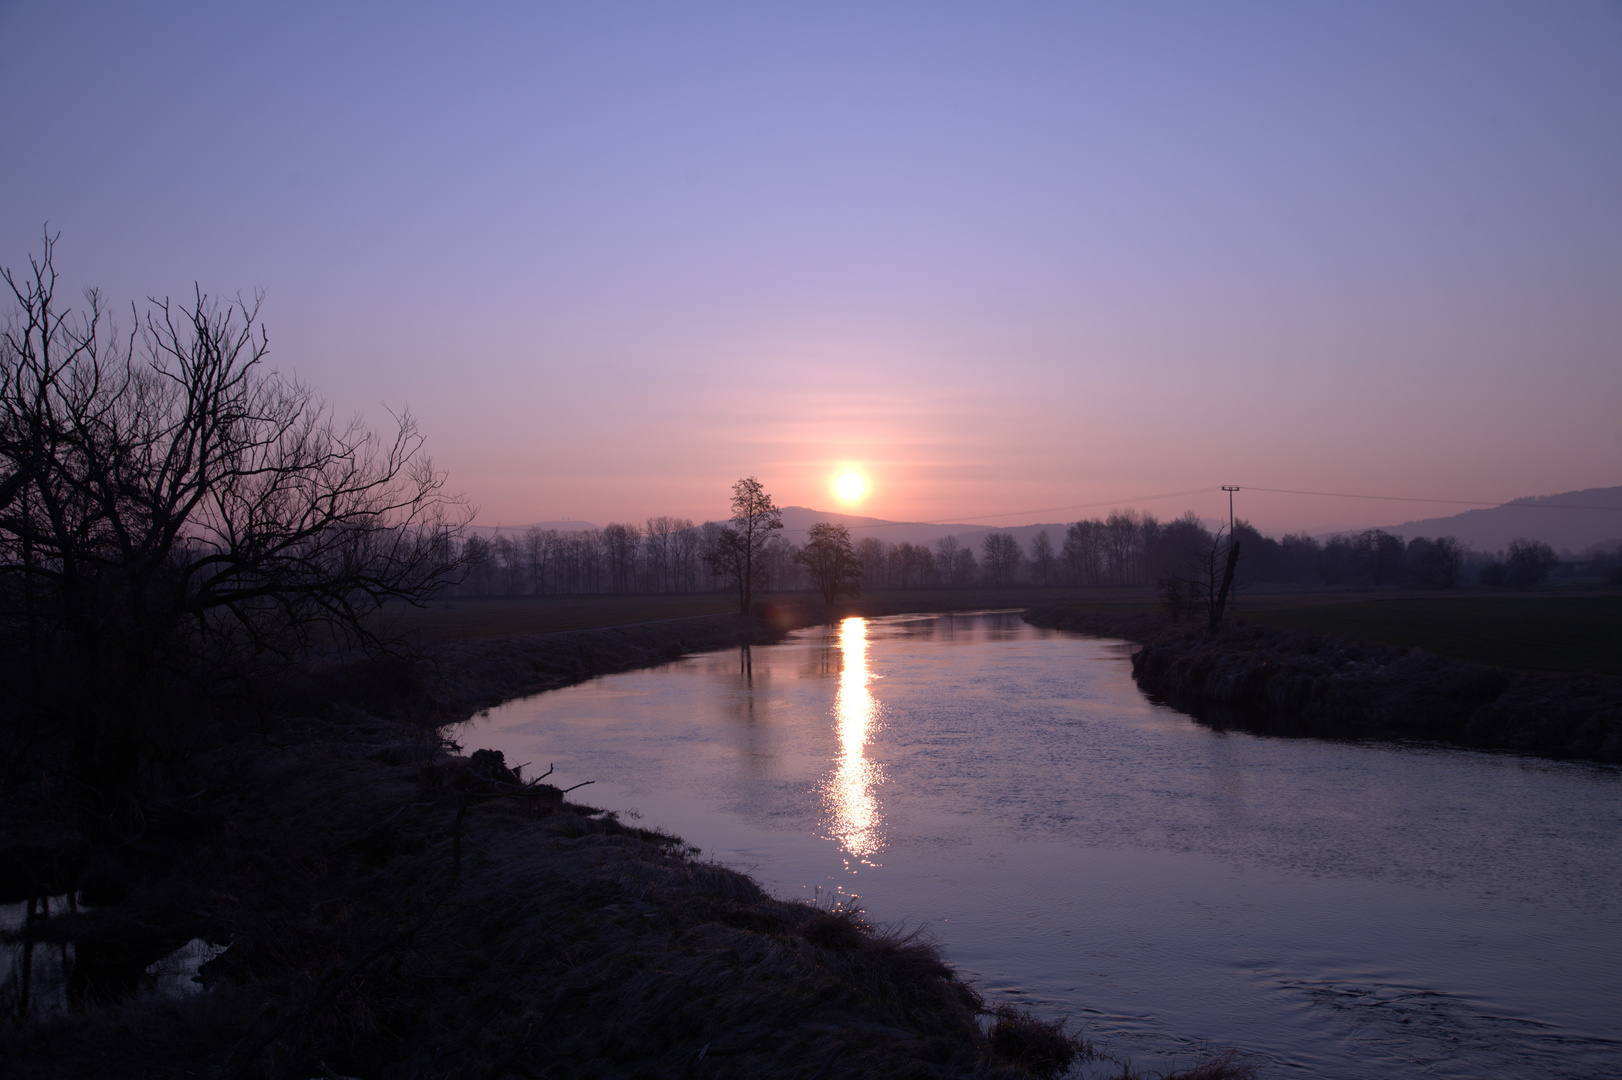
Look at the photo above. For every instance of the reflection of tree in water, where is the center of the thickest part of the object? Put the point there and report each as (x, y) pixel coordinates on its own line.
(826, 657)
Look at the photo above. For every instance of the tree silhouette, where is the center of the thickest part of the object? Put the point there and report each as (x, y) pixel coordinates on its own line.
(1529, 563)
(183, 515)
(831, 558)
(1002, 557)
(1042, 557)
(737, 550)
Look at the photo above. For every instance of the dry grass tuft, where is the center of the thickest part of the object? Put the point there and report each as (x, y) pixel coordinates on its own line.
(1040, 1048)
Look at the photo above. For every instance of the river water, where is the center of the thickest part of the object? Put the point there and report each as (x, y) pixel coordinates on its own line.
(1330, 909)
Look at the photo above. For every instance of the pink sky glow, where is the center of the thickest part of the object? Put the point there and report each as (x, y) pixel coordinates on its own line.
(997, 257)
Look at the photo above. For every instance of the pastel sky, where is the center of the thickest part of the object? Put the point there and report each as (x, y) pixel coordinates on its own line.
(1001, 257)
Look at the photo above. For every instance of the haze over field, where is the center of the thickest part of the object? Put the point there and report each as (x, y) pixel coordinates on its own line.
(993, 258)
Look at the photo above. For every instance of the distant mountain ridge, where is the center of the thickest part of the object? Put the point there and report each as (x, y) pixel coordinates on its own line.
(1566, 522)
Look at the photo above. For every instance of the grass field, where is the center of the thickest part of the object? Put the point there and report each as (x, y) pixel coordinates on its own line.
(504, 616)
(1550, 633)
(1546, 633)
(465, 618)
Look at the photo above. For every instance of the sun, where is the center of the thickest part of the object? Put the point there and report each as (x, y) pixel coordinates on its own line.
(850, 487)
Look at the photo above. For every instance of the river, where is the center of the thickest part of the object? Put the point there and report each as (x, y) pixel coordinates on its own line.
(1331, 909)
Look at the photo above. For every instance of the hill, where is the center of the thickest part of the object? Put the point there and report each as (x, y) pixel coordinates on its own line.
(1571, 521)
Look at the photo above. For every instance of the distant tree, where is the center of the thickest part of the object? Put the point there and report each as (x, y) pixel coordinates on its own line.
(1179, 545)
(510, 563)
(831, 560)
(1388, 553)
(1299, 558)
(1529, 563)
(1365, 560)
(539, 544)
(1002, 557)
(782, 562)
(621, 544)
(1083, 553)
(913, 564)
(964, 570)
(1265, 558)
(657, 544)
(928, 571)
(1121, 543)
(946, 561)
(1434, 564)
(1042, 560)
(685, 544)
(479, 563)
(873, 554)
(735, 551)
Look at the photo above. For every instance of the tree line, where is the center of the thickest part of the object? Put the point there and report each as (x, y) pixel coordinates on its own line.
(1127, 547)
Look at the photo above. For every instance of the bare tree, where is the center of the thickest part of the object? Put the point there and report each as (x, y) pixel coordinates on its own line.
(1530, 562)
(1002, 557)
(736, 551)
(658, 543)
(620, 545)
(873, 554)
(185, 510)
(1042, 557)
(1205, 582)
(1083, 552)
(539, 547)
(684, 546)
(948, 564)
(831, 558)
(1119, 533)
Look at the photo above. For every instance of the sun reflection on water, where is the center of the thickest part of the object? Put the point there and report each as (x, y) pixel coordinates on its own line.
(852, 806)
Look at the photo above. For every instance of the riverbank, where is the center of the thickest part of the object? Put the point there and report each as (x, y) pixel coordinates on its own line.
(395, 911)
(1292, 682)
(1281, 681)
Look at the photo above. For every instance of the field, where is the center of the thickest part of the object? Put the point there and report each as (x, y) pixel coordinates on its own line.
(465, 618)
(1539, 632)
(468, 618)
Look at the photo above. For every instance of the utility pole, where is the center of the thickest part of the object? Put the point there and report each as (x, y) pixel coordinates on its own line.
(1230, 489)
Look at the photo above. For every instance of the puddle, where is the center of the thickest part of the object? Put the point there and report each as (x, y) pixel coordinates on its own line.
(34, 976)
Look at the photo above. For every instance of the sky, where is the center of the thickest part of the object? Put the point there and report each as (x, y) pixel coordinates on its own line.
(997, 258)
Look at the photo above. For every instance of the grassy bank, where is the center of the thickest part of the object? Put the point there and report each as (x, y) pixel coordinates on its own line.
(1539, 633)
(1292, 682)
(394, 912)
(1532, 632)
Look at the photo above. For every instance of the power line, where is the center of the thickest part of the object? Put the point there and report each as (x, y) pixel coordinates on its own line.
(1410, 498)
(967, 519)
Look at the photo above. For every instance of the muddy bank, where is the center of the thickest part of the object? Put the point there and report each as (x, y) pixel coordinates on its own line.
(1293, 682)
(464, 677)
(392, 912)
